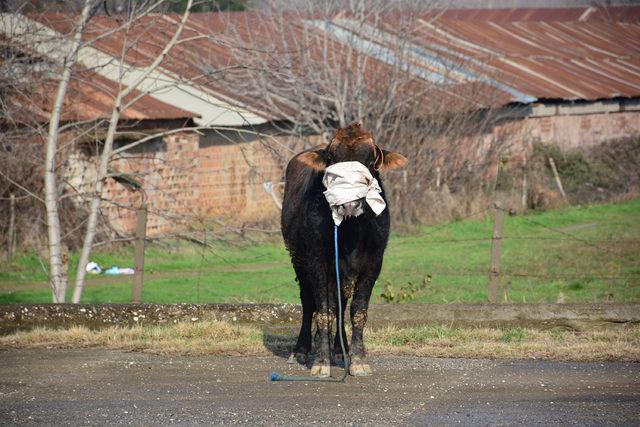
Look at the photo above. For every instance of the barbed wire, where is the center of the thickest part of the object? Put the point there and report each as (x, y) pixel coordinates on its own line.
(476, 273)
(489, 239)
(569, 235)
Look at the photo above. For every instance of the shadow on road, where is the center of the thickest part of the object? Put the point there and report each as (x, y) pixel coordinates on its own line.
(279, 339)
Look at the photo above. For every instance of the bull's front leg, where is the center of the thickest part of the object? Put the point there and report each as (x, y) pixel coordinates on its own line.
(325, 316)
(359, 308)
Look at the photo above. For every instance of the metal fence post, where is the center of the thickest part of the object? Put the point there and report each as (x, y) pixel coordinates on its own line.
(141, 231)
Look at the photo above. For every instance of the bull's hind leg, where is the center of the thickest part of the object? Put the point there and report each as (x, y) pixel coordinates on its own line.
(303, 345)
(359, 307)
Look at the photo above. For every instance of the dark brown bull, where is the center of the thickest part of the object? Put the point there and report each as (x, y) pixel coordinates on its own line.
(307, 228)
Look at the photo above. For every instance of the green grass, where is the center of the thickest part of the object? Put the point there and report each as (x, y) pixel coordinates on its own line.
(452, 260)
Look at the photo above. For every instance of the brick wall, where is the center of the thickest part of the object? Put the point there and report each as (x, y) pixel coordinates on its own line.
(584, 130)
(231, 178)
(188, 177)
(515, 138)
(185, 181)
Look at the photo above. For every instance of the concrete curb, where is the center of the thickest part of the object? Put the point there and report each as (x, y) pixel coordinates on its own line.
(571, 316)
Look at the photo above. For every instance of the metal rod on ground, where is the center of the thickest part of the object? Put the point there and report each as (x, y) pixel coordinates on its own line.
(141, 231)
(12, 227)
(496, 241)
(555, 174)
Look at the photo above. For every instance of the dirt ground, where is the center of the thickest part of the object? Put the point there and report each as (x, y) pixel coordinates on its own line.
(99, 386)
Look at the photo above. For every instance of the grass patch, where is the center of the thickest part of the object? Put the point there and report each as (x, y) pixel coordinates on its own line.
(513, 335)
(447, 263)
(214, 337)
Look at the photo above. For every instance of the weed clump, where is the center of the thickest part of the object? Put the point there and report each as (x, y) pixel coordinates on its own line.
(406, 293)
(513, 335)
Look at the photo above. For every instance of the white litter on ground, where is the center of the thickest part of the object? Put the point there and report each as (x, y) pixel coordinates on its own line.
(350, 181)
(93, 267)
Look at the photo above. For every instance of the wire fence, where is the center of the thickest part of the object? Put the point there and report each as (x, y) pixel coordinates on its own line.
(537, 263)
(598, 261)
(590, 259)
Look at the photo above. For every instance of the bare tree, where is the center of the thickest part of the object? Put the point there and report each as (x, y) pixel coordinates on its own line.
(106, 154)
(57, 269)
(323, 66)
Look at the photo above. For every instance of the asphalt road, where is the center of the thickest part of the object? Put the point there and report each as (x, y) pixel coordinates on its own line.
(98, 386)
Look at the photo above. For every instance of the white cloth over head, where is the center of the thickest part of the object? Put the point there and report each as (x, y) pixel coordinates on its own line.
(348, 182)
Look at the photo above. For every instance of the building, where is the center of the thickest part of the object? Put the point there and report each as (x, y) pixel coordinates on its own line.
(566, 76)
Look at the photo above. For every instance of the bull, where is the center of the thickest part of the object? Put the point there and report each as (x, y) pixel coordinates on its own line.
(307, 228)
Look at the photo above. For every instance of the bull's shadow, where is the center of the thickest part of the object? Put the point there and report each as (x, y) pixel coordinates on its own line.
(280, 339)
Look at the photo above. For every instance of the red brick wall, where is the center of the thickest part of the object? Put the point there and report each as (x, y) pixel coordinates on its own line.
(186, 182)
(230, 179)
(189, 177)
(584, 130)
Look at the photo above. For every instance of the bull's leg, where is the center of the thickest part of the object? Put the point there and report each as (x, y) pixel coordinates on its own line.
(303, 345)
(324, 319)
(359, 307)
(322, 362)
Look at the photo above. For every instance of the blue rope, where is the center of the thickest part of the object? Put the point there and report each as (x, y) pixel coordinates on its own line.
(345, 359)
(277, 377)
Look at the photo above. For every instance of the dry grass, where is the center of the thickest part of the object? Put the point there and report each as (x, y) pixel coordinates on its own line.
(620, 344)
(179, 338)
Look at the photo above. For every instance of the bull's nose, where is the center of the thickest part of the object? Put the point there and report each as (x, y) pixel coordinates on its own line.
(353, 208)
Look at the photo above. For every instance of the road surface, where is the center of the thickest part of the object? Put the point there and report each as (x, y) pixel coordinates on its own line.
(99, 386)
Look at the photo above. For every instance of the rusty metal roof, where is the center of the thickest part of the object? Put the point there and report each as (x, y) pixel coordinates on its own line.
(548, 54)
(89, 97)
(499, 56)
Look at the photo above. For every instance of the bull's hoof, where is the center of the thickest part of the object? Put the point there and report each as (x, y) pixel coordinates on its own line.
(321, 370)
(300, 358)
(359, 369)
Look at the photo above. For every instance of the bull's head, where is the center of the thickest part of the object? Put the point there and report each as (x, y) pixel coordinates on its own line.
(349, 144)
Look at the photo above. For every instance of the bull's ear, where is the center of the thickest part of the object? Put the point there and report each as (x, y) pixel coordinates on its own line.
(377, 164)
(313, 159)
(392, 160)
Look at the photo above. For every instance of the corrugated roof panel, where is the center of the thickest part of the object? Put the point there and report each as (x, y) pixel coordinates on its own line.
(498, 55)
(546, 57)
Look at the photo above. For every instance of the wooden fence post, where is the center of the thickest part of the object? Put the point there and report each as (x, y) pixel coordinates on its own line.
(496, 240)
(12, 227)
(141, 232)
(525, 188)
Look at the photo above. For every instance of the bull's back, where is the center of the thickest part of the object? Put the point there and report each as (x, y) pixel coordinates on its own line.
(298, 178)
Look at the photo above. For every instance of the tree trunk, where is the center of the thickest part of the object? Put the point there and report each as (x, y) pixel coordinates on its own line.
(57, 277)
(95, 203)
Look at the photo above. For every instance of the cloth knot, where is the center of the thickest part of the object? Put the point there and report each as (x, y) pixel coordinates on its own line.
(348, 182)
